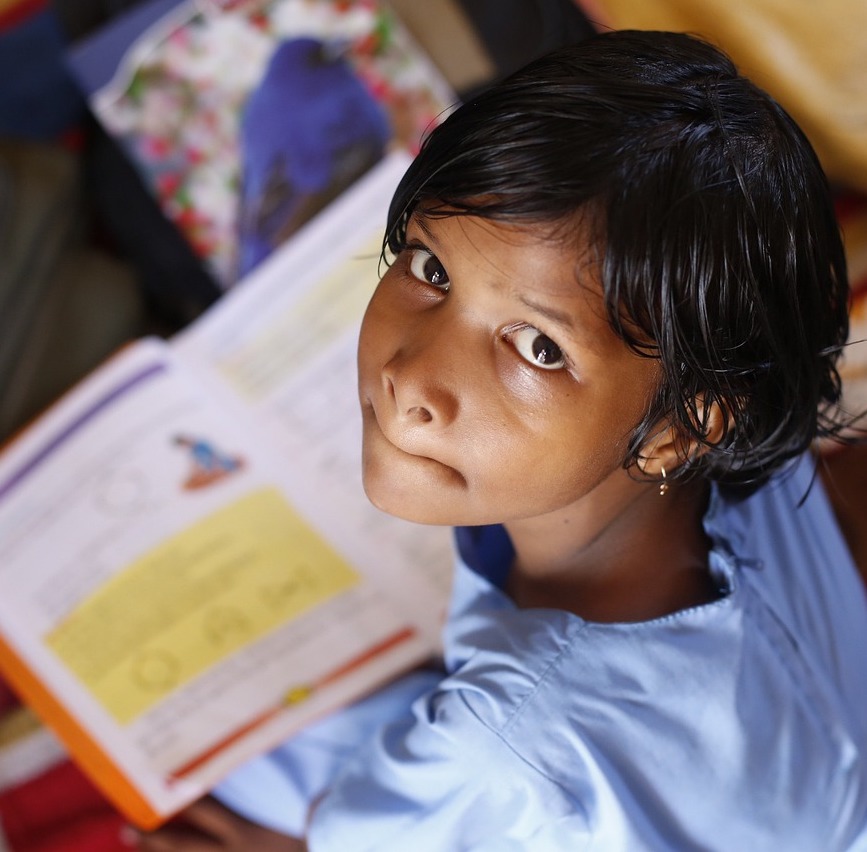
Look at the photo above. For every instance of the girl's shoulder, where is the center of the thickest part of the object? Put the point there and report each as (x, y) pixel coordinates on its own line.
(792, 622)
(701, 695)
(799, 574)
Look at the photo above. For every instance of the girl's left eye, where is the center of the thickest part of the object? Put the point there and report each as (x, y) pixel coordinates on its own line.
(426, 267)
(538, 348)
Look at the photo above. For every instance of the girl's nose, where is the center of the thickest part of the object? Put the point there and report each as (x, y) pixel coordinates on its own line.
(415, 408)
(421, 379)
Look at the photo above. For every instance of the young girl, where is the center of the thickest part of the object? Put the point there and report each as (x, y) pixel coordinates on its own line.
(607, 340)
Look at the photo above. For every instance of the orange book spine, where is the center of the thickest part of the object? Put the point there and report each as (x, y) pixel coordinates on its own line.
(82, 747)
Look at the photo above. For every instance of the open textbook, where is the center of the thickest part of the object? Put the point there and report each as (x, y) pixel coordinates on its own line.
(190, 569)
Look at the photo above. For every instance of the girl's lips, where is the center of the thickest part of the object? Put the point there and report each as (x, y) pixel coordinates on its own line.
(374, 421)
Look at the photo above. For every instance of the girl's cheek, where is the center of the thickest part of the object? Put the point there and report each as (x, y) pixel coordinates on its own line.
(525, 384)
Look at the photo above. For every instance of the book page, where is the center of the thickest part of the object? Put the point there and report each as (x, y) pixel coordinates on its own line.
(160, 574)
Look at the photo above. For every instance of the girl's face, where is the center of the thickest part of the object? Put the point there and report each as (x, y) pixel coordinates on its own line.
(491, 384)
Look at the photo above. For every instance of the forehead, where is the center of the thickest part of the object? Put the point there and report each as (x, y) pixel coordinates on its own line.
(553, 267)
(566, 243)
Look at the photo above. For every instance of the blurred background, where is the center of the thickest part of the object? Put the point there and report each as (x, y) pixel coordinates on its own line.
(143, 173)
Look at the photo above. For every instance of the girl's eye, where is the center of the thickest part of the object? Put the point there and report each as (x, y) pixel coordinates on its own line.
(425, 267)
(538, 348)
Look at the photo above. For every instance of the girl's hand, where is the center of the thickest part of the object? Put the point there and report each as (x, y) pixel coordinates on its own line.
(208, 826)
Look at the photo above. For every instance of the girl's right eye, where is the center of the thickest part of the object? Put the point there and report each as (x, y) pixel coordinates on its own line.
(425, 267)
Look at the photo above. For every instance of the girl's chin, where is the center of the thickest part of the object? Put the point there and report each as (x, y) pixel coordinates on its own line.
(409, 506)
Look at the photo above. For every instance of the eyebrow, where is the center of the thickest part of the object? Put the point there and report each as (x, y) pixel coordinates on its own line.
(421, 222)
(560, 318)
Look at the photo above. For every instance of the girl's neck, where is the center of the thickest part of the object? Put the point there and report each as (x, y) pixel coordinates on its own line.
(611, 560)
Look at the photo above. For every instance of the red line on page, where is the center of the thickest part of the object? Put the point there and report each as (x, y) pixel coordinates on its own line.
(296, 696)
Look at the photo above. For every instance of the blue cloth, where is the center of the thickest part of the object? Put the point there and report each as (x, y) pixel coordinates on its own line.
(38, 98)
(308, 130)
(278, 789)
(734, 725)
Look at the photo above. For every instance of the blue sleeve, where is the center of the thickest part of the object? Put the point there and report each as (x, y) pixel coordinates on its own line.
(440, 779)
(277, 789)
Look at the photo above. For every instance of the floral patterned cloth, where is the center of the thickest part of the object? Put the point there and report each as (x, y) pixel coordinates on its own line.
(178, 96)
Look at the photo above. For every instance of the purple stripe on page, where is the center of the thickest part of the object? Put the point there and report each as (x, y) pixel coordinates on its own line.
(88, 414)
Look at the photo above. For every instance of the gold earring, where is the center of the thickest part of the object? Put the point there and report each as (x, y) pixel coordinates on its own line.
(663, 486)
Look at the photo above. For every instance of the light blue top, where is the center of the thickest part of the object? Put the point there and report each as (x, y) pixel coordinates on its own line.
(738, 725)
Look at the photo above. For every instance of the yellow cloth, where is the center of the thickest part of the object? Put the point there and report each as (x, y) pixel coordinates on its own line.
(812, 57)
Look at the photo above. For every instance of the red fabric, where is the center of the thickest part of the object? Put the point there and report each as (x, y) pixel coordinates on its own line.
(20, 11)
(847, 204)
(851, 209)
(60, 811)
(8, 699)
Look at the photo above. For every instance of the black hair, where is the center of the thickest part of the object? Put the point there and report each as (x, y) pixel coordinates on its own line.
(720, 254)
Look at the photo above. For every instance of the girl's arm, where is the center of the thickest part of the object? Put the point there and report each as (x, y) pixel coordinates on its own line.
(281, 789)
(208, 826)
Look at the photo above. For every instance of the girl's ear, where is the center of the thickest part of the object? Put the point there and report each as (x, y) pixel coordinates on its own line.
(672, 444)
(662, 452)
